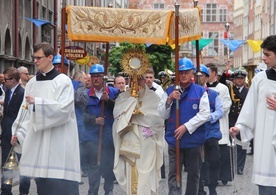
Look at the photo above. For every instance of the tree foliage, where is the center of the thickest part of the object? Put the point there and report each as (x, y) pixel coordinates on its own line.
(159, 56)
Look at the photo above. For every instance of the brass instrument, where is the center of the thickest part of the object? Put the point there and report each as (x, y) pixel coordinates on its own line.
(11, 164)
(168, 79)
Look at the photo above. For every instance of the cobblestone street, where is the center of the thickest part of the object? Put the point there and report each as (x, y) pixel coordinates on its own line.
(240, 186)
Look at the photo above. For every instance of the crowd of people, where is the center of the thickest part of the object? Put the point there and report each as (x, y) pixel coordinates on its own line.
(66, 128)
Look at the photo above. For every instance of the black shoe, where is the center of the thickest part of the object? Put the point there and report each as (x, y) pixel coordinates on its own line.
(202, 193)
(240, 172)
(212, 191)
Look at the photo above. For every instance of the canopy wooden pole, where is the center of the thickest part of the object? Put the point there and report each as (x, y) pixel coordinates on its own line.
(177, 147)
(103, 102)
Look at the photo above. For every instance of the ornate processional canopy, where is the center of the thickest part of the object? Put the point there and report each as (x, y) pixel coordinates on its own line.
(131, 25)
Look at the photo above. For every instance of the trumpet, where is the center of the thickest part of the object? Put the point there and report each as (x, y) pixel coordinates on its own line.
(11, 164)
(168, 79)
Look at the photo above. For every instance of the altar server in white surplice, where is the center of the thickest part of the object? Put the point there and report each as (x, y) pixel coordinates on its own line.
(138, 140)
(48, 133)
(258, 117)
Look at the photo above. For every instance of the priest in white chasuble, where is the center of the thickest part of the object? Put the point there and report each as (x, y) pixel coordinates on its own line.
(138, 140)
(47, 130)
(257, 119)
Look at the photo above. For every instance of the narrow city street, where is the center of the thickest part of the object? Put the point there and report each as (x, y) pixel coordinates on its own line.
(240, 186)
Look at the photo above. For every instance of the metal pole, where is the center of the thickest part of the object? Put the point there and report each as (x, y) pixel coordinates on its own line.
(198, 73)
(177, 145)
(227, 26)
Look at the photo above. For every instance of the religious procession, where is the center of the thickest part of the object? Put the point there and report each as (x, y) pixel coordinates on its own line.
(142, 118)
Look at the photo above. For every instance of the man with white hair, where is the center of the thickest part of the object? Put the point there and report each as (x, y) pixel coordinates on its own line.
(24, 75)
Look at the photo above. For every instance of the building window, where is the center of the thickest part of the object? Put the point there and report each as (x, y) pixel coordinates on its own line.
(202, 15)
(211, 12)
(159, 5)
(213, 47)
(222, 15)
(50, 16)
(44, 13)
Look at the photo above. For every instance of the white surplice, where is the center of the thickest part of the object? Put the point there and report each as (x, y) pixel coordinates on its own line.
(149, 149)
(257, 120)
(47, 131)
(226, 103)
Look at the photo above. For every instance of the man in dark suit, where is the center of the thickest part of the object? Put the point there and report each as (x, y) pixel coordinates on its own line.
(13, 99)
(238, 93)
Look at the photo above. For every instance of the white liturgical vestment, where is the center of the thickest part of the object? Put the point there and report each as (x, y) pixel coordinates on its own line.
(256, 119)
(138, 140)
(48, 132)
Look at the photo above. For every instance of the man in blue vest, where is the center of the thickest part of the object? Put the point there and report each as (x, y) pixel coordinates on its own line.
(194, 111)
(210, 167)
(93, 120)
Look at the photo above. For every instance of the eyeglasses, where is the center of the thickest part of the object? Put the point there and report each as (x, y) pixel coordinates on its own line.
(6, 79)
(25, 73)
(184, 72)
(96, 76)
(37, 58)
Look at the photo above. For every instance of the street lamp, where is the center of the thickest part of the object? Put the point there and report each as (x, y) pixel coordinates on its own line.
(227, 26)
(110, 5)
(195, 3)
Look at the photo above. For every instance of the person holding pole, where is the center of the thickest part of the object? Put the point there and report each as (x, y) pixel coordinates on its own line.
(194, 111)
(98, 141)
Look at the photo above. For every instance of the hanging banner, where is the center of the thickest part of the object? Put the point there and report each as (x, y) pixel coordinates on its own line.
(202, 43)
(255, 45)
(232, 44)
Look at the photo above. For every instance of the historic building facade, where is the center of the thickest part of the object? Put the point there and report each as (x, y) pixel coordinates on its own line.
(18, 33)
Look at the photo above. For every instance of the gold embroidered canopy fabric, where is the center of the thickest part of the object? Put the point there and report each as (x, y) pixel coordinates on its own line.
(130, 25)
(189, 26)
